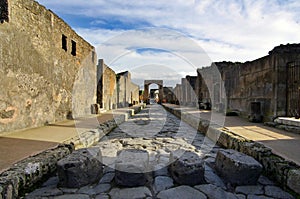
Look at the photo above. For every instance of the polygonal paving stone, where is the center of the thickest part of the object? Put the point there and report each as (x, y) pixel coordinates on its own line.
(72, 196)
(162, 183)
(107, 178)
(258, 197)
(130, 193)
(213, 178)
(181, 192)
(101, 188)
(213, 191)
(277, 192)
(102, 196)
(250, 190)
(45, 192)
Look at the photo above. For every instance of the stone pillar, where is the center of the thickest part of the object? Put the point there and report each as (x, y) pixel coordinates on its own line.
(161, 93)
(146, 93)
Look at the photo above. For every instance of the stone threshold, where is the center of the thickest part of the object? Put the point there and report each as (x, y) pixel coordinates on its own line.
(285, 173)
(28, 173)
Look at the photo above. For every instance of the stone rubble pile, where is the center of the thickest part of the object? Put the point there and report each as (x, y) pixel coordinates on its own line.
(174, 163)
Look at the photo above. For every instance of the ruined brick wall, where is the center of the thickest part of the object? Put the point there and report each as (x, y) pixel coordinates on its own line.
(47, 71)
(107, 86)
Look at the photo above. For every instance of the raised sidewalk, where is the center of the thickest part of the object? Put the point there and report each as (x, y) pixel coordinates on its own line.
(82, 132)
(277, 150)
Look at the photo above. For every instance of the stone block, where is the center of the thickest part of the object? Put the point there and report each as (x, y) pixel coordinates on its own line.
(80, 168)
(293, 180)
(238, 168)
(187, 168)
(132, 168)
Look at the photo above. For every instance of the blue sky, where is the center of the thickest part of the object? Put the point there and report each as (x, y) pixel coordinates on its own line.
(229, 30)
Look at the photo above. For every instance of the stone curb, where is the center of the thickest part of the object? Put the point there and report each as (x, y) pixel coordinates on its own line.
(285, 173)
(92, 136)
(28, 173)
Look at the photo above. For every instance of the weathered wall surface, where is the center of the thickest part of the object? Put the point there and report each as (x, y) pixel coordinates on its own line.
(134, 92)
(107, 90)
(127, 92)
(40, 81)
(264, 80)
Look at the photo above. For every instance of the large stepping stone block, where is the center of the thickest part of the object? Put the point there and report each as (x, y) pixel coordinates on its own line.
(187, 168)
(132, 168)
(238, 168)
(80, 168)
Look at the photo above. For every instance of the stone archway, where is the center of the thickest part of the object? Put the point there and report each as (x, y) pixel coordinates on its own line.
(146, 89)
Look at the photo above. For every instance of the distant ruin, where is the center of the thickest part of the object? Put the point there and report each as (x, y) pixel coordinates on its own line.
(267, 87)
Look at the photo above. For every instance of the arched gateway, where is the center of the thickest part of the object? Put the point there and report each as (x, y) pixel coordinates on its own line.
(146, 89)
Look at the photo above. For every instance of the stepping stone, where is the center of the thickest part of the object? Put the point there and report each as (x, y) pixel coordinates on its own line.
(132, 168)
(238, 168)
(181, 192)
(80, 168)
(187, 168)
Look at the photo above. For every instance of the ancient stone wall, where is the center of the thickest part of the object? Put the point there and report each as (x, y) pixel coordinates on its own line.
(263, 81)
(107, 86)
(127, 92)
(48, 72)
(177, 93)
(134, 93)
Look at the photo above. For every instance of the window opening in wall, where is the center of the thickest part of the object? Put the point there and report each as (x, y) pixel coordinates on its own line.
(73, 48)
(64, 42)
(4, 11)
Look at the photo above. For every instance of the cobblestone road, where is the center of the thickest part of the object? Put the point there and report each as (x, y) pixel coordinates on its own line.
(161, 135)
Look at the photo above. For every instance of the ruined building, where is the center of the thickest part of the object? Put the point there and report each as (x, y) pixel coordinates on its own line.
(127, 92)
(261, 89)
(48, 72)
(43, 63)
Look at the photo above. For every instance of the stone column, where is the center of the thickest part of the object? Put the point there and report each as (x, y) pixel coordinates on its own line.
(161, 93)
(146, 93)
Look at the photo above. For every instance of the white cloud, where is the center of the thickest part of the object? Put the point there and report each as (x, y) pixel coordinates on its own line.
(232, 30)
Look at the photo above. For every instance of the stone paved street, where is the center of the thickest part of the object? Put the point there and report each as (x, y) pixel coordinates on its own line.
(155, 155)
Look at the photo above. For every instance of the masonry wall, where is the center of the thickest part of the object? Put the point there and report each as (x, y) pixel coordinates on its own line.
(127, 92)
(134, 92)
(40, 81)
(264, 80)
(107, 86)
